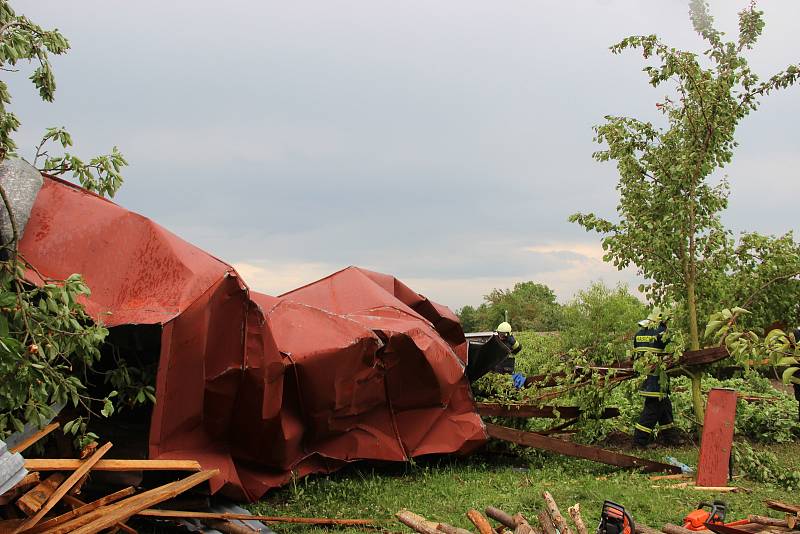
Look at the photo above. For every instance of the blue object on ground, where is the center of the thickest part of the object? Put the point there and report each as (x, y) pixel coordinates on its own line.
(685, 469)
(519, 380)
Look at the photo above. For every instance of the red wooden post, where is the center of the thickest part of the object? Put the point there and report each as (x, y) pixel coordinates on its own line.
(717, 440)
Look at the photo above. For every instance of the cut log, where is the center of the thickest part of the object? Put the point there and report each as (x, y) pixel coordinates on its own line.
(575, 514)
(416, 522)
(24, 444)
(546, 523)
(31, 502)
(555, 514)
(761, 520)
(644, 529)
(531, 439)
(480, 522)
(669, 528)
(319, 521)
(66, 486)
(54, 464)
(783, 507)
(108, 516)
(86, 508)
(521, 525)
(500, 516)
(450, 529)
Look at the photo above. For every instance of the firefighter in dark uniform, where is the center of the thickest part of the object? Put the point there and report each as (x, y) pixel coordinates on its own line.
(503, 331)
(652, 338)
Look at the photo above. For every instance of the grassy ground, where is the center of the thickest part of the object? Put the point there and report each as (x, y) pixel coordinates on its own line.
(445, 488)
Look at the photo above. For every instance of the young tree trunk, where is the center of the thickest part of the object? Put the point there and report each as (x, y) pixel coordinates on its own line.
(694, 343)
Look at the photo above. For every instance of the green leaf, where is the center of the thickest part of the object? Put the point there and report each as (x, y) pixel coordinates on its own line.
(789, 377)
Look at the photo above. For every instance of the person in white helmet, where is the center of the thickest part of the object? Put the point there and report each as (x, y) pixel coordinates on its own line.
(503, 331)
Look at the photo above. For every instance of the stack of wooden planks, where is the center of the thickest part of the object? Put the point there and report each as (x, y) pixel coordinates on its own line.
(46, 500)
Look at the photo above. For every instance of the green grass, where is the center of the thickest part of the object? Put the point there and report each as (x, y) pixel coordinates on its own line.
(444, 489)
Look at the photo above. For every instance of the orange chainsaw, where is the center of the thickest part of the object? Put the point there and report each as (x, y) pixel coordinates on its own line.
(615, 520)
(699, 519)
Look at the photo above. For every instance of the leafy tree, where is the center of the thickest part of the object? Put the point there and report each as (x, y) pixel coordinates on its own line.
(603, 319)
(470, 321)
(48, 343)
(763, 278)
(528, 306)
(669, 225)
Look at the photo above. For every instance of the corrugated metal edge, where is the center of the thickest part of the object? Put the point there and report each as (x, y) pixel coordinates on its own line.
(12, 468)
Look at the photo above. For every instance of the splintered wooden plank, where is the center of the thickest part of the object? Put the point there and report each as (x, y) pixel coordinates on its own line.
(496, 409)
(54, 464)
(32, 501)
(85, 509)
(717, 440)
(66, 486)
(24, 444)
(108, 516)
(596, 454)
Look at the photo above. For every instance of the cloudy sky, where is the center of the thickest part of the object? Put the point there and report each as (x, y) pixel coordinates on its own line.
(445, 142)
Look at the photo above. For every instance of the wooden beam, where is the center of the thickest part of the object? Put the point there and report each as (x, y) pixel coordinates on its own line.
(496, 409)
(85, 509)
(108, 516)
(56, 464)
(322, 521)
(24, 444)
(596, 454)
(66, 486)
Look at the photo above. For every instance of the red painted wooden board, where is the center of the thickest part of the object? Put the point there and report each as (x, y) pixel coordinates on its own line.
(715, 446)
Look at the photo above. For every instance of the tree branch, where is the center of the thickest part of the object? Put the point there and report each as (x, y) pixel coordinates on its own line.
(14, 230)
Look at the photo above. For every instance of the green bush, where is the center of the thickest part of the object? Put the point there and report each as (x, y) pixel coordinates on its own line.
(773, 420)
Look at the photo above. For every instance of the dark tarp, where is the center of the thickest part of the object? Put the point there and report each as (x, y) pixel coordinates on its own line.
(355, 366)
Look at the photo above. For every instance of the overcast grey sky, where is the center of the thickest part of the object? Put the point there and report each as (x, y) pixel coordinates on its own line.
(445, 142)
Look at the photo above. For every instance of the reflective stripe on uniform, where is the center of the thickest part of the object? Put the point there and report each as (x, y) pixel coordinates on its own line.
(666, 427)
(516, 345)
(643, 428)
(650, 350)
(653, 394)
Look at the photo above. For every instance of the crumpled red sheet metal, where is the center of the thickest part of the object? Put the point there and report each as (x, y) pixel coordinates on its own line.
(354, 366)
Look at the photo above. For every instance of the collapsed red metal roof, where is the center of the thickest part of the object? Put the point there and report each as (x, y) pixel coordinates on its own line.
(354, 366)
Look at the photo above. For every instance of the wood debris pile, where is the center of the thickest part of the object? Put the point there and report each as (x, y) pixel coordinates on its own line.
(550, 520)
(49, 497)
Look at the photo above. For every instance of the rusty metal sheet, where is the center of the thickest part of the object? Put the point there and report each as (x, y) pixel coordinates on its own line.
(354, 366)
(354, 288)
(717, 440)
(567, 448)
(496, 409)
